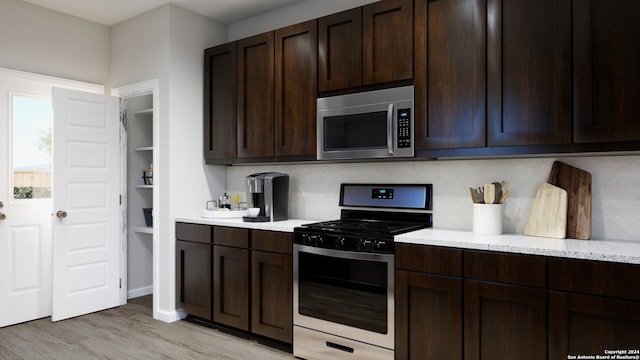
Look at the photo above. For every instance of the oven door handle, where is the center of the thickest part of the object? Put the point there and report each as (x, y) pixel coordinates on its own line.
(390, 129)
(345, 254)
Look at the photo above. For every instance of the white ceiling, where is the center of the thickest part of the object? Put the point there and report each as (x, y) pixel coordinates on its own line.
(111, 12)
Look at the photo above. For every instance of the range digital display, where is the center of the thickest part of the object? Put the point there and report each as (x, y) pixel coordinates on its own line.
(388, 196)
(382, 194)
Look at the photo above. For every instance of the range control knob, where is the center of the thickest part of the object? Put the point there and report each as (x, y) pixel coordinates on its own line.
(364, 244)
(306, 239)
(316, 240)
(340, 242)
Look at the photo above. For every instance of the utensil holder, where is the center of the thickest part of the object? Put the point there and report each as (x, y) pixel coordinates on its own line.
(487, 219)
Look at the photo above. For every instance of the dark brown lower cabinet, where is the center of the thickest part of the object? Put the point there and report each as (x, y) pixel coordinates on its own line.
(272, 284)
(589, 325)
(495, 305)
(428, 316)
(193, 278)
(231, 286)
(244, 280)
(271, 295)
(193, 269)
(504, 321)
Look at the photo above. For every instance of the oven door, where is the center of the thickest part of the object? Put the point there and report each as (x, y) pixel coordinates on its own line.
(344, 293)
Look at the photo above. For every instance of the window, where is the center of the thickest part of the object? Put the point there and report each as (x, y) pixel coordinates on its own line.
(31, 123)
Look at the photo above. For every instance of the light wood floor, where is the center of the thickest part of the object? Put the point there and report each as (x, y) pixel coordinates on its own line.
(126, 332)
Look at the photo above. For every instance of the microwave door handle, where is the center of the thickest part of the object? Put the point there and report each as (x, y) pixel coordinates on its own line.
(390, 129)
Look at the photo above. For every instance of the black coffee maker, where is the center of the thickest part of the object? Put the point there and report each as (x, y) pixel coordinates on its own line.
(268, 191)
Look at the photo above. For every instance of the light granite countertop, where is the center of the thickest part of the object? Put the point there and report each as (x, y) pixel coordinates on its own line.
(284, 225)
(603, 250)
(596, 249)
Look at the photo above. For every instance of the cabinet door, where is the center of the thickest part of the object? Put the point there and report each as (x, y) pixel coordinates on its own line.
(428, 316)
(272, 295)
(256, 96)
(504, 322)
(340, 50)
(449, 74)
(606, 72)
(193, 278)
(231, 286)
(529, 72)
(588, 325)
(220, 102)
(296, 85)
(387, 41)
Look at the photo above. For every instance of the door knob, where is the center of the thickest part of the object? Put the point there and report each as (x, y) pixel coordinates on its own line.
(1, 204)
(2, 216)
(61, 214)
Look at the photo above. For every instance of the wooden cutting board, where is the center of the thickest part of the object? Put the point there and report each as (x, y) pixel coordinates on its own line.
(548, 216)
(577, 183)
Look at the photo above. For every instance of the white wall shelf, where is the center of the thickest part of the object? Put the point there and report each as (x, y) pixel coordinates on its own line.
(144, 229)
(145, 112)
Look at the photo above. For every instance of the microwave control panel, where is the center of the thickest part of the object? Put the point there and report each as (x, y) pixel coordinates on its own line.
(404, 128)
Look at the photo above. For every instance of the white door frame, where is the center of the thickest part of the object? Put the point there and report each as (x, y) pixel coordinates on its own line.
(143, 88)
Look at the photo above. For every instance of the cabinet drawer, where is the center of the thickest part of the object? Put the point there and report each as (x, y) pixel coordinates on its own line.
(193, 232)
(595, 277)
(272, 241)
(507, 268)
(229, 236)
(430, 259)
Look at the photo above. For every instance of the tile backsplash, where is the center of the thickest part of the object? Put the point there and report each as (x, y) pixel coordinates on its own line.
(314, 188)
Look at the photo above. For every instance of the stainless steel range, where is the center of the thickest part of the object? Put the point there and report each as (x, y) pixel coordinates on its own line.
(343, 278)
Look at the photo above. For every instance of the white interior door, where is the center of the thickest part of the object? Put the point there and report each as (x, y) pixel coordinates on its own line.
(86, 203)
(25, 199)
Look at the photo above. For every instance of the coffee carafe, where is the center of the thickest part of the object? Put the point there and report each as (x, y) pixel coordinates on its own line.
(268, 191)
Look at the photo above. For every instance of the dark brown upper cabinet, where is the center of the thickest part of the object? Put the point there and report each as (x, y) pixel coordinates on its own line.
(606, 70)
(529, 72)
(387, 41)
(340, 50)
(366, 46)
(255, 116)
(296, 49)
(220, 102)
(450, 74)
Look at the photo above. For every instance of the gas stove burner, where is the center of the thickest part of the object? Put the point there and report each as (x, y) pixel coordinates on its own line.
(384, 211)
(366, 226)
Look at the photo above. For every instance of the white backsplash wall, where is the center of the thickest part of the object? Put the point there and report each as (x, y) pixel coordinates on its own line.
(314, 188)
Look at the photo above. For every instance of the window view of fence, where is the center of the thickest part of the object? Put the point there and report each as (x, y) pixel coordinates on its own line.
(32, 120)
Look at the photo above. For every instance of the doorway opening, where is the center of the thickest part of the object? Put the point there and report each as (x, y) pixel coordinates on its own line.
(139, 188)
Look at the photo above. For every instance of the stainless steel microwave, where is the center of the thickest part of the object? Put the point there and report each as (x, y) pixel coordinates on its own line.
(366, 125)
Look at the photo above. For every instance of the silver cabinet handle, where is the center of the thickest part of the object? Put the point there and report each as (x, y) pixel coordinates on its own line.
(61, 214)
(390, 129)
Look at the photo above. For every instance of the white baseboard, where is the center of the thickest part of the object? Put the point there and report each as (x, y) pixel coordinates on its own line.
(167, 316)
(142, 291)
